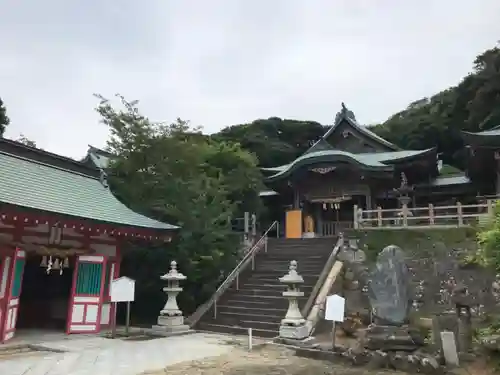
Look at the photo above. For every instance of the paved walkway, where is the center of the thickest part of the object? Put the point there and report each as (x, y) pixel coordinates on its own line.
(101, 356)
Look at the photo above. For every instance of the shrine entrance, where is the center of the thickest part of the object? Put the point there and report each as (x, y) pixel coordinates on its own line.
(46, 291)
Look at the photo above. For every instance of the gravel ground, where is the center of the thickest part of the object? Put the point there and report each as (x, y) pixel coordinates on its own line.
(269, 360)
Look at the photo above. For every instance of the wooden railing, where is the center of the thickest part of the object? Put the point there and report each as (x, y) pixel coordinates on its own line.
(333, 228)
(458, 215)
(233, 277)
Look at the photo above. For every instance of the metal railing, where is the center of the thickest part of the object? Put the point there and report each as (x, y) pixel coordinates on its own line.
(248, 259)
(458, 215)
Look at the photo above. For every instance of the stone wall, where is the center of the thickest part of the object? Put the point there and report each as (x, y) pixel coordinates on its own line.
(435, 258)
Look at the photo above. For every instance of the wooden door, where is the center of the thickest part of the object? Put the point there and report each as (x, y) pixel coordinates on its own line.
(84, 315)
(10, 292)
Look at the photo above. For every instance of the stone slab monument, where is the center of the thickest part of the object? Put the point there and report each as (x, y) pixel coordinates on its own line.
(390, 301)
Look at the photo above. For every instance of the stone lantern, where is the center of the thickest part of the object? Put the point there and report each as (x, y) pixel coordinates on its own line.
(171, 319)
(293, 326)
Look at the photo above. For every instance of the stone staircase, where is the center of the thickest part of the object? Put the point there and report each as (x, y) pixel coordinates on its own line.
(257, 302)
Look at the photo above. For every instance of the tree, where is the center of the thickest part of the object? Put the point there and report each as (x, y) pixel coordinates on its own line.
(274, 141)
(472, 105)
(4, 119)
(175, 174)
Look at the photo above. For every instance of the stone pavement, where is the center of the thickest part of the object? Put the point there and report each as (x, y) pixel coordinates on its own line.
(101, 356)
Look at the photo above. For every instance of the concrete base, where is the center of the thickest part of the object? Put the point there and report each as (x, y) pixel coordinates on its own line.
(308, 235)
(171, 321)
(294, 332)
(170, 330)
(170, 325)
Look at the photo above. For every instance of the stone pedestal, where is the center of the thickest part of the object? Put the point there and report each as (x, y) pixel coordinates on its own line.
(392, 338)
(171, 320)
(293, 326)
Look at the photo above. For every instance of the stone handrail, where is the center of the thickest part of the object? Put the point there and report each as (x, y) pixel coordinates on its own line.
(319, 304)
(323, 286)
(324, 273)
(232, 277)
(406, 217)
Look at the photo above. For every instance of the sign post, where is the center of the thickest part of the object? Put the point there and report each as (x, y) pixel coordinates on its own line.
(122, 290)
(334, 311)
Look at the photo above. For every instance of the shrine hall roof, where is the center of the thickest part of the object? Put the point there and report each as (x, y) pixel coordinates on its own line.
(380, 161)
(486, 138)
(62, 186)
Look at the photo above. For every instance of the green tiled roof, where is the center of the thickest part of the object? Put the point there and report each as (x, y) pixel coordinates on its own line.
(31, 184)
(380, 161)
(343, 116)
(489, 137)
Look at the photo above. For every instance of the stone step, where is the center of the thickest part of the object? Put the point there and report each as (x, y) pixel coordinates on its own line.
(298, 252)
(235, 330)
(231, 315)
(270, 272)
(308, 280)
(241, 303)
(274, 281)
(272, 292)
(254, 309)
(285, 264)
(267, 286)
(286, 258)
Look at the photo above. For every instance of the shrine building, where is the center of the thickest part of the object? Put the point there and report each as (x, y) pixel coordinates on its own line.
(61, 234)
(350, 166)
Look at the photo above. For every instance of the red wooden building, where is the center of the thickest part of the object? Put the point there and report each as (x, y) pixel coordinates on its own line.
(60, 235)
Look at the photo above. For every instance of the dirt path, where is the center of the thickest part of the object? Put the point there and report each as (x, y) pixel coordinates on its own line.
(269, 360)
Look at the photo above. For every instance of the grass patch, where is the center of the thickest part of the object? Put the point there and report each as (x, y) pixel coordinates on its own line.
(421, 241)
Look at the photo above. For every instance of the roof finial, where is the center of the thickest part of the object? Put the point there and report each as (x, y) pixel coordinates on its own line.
(344, 113)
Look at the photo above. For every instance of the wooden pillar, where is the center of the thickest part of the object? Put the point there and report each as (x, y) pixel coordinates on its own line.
(318, 218)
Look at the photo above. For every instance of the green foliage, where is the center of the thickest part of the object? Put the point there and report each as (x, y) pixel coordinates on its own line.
(175, 174)
(4, 119)
(274, 141)
(423, 240)
(488, 253)
(472, 105)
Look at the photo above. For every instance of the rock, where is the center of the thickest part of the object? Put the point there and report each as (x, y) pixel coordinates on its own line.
(378, 359)
(429, 365)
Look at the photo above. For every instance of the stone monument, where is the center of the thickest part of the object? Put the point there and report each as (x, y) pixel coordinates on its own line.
(293, 326)
(390, 298)
(171, 319)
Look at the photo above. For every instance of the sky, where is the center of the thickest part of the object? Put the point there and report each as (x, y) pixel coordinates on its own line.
(223, 62)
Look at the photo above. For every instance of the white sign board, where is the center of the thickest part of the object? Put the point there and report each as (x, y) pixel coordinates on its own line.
(334, 309)
(122, 290)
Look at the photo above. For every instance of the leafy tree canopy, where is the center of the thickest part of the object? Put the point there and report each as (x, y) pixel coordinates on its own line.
(4, 119)
(274, 141)
(472, 105)
(175, 174)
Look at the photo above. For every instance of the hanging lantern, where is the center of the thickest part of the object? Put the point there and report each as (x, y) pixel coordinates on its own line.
(57, 264)
(66, 263)
(324, 206)
(44, 261)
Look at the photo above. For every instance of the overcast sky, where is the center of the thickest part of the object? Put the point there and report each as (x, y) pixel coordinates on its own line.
(224, 62)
